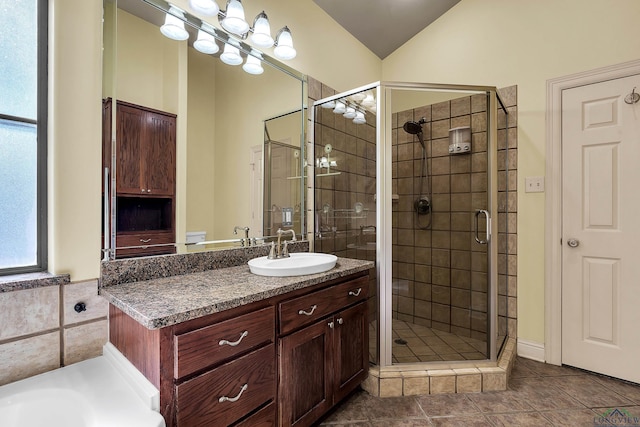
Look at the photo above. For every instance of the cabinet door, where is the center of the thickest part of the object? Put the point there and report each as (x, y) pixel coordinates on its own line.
(159, 160)
(130, 134)
(305, 361)
(351, 347)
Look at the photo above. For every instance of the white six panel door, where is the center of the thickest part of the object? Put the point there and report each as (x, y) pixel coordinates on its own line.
(601, 229)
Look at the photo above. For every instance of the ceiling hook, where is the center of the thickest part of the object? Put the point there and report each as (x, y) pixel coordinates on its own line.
(633, 97)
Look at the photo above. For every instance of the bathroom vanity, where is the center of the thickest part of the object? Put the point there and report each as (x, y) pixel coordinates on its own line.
(229, 348)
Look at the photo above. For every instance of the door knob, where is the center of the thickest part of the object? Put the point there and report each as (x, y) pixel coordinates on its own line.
(573, 243)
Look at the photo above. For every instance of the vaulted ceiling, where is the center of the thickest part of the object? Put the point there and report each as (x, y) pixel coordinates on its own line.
(385, 25)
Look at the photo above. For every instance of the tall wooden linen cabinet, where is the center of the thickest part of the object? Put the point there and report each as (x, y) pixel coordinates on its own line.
(145, 171)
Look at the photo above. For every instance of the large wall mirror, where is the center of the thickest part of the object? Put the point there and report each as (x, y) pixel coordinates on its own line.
(186, 137)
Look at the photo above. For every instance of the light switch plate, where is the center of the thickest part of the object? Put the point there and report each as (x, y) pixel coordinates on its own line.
(534, 184)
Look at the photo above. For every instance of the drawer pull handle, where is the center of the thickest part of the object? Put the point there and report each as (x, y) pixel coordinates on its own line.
(310, 312)
(355, 293)
(145, 240)
(234, 399)
(234, 343)
(339, 320)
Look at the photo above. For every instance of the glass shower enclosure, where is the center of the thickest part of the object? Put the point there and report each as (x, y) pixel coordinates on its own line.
(406, 176)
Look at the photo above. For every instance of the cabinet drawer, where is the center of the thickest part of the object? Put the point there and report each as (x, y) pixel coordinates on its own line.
(307, 309)
(227, 393)
(145, 238)
(265, 417)
(207, 346)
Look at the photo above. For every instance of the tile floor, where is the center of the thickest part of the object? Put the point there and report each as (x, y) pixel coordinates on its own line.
(538, 395)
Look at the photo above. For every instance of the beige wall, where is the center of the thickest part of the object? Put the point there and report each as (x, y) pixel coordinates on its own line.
(523, 43)
(74, 157)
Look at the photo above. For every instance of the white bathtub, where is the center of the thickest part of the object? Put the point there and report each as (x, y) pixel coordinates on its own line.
(92, 393)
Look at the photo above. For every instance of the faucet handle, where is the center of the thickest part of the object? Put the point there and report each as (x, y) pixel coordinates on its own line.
(285, 250)
(272, 251)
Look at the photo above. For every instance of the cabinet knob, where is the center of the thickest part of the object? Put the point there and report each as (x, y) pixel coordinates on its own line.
(143, 190)
(330, 325)
(340, 320)
(148, 190)
(234, 343)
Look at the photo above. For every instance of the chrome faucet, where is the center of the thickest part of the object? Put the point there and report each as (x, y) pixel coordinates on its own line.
(246, 234)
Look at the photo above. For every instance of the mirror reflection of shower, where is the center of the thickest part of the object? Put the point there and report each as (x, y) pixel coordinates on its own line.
(422, 205)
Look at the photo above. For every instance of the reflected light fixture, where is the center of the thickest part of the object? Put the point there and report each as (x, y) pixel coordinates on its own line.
(231, 55)
(359, 118)
(329, 104)
(284, 45)
(206, 43)
(253, 65)
(262, 31)
(205, 7)
(340, 108)
(350, 112)
(173, 26)
(233, 20)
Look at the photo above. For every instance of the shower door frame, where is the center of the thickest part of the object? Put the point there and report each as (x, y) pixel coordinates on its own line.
(384, 210)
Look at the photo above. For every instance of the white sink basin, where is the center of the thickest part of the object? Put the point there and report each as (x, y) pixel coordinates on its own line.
(298, 264)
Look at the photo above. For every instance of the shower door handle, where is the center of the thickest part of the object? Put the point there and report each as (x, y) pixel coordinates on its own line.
(487, 228)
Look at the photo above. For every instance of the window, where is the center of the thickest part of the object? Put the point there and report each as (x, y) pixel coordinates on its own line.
(23, 131)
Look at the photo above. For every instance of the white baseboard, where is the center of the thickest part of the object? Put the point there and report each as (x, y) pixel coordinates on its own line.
(530, 350)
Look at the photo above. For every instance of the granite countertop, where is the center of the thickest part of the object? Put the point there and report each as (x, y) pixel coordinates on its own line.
(167, 301)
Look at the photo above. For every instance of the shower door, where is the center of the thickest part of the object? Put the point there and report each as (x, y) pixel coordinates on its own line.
(441, 209)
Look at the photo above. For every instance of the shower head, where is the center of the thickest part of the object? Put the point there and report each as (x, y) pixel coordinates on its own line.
(415, 128)
(412, 127)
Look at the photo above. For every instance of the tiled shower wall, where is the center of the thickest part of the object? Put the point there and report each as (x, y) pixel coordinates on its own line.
(439, 270)
(41, 330)
(441, 280)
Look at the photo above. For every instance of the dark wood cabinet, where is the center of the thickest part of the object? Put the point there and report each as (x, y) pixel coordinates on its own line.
(145, 151)
(322, 363)
(143, 161)
(236, 368)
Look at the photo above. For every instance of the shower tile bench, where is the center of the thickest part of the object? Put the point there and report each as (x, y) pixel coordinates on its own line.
(225, 346)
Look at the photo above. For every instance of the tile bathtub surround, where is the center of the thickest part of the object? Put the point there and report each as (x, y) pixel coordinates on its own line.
(148, 268)
(41, 330)
(537, 395)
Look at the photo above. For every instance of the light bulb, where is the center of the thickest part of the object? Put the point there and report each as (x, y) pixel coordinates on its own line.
(173, 26)
(284, 45)
(358, 97)
(262, 31)
(234, 20)
(253, 65)
(205, 42)
(205, 7)
(231, 55)
(340, 108)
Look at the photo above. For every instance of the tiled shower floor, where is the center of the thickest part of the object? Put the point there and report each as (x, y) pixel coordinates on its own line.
(416, 343)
